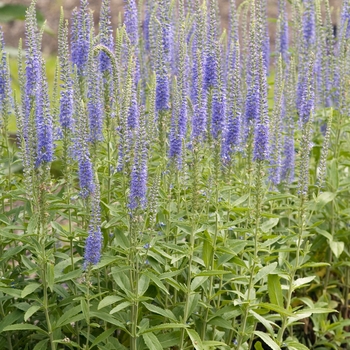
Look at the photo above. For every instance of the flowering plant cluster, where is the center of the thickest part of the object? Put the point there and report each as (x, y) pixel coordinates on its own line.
(182, 185)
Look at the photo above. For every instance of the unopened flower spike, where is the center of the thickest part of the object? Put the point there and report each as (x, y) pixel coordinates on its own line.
(261, 134)
(232, 135)
(276, 126)
(138, 182)
(66, 91)
(93, 244)
(5, 84)
(94, 95)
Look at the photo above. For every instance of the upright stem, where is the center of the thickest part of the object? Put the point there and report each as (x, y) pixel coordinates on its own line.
(258, 203)
(212, 260)
(295, 268)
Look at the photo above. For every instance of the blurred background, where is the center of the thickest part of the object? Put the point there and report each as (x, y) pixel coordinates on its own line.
(12, 15)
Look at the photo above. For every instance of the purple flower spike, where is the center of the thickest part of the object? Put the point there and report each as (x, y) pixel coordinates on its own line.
(81, 36)
(106, 36)
(309, 23)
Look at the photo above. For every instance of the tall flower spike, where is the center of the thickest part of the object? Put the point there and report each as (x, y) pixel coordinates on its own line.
(36, 97)
(261, 137)
(307, 102)
(309, 23)
(66, 92)
(132, 29)
(131, 22)
(81, 36)
(288, 162)
(211, 59)
(94, 104)
(282, 37)
(182, 71)
(162, 79)
(106, 34)
(175, 140)
(218, 102)
(253, 96)
(345, 20)
(232, 137)
(276, 126)
(93, 243)
(138, 183)
(5, 84)
(81, 140)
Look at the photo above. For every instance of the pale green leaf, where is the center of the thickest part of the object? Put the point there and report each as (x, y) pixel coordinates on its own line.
(337, 248)
(264, 272)
(160, 311)
(108, 300)
(31, 311)
(275, 290)
(119, 307)
(152, 341)
(195, 338)
(29, 289)
(267, 340)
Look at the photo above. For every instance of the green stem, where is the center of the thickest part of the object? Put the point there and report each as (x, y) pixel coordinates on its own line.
(258, 203)
(294, 269)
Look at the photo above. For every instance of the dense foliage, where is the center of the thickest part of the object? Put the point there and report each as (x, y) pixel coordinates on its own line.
(184, 186)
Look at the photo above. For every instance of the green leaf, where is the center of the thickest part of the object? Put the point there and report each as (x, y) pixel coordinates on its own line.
(108, 300)
(300, 282)
(213, 273)
(67, 316)
(213, 344)
(157, 281)
(10, 318)
(269, 224)
(85, 309)
(323, 199)
(275, 308)
(50, 275)
(197, 282)
(165, 326)
(17, 293)
(42, 345)
(195, 338)
(103, 336)
(264, 271)
(23, 327)
(143, 284)
(275, 290)
(31, 311)
(337, 248)
(193, 303)
(267, 340)
(29, 289)
(160, 311)
(119, 307)
(268, 324)
(295, 345)
(68, 276)
(104, 316)
(152, 341)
